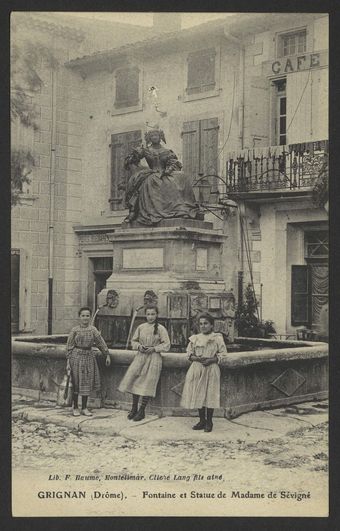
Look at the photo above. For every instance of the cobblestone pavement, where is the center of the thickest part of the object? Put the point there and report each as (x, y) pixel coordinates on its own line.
(293, 460)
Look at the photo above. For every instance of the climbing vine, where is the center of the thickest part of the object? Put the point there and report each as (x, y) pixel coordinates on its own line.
(27, 58)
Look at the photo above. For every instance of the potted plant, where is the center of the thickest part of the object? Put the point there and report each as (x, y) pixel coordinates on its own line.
(247, 321)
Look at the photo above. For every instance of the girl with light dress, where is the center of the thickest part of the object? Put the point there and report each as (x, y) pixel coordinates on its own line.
(202, 382)
(141, 378)
(81, 360)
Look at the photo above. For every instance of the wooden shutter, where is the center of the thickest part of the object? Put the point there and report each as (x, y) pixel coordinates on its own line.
(127, 87)
(200, 148)
(299, 107)
(201, 71)
(320, 104)
(191, 148)
(121, 145)
(257, 121)
(300, 288)
(208, 149)
(15, 276)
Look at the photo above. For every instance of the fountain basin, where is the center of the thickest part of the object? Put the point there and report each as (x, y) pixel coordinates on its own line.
(257, 374)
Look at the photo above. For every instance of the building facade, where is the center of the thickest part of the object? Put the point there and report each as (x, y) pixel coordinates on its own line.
(242, 101)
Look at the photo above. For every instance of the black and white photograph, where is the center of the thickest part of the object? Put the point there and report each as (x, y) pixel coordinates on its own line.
(169, 263)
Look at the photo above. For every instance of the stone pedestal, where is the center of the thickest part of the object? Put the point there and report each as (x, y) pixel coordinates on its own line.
(176, 265)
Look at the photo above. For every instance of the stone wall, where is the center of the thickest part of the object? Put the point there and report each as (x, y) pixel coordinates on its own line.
(58, 104)
(282, 373)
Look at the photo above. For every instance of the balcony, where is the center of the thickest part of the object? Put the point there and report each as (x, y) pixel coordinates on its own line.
(276, 170)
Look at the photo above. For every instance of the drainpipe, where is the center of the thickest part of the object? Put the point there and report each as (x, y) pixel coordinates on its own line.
(52, 196)
(240, 278)
(239, 42)
(241, 210)
(241, 118)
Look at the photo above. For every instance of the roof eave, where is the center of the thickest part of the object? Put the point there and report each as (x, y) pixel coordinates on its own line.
(160, 44)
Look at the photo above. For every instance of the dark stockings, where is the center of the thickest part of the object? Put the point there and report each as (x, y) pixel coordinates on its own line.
(75, 400)
(84, 402)
(145, 400)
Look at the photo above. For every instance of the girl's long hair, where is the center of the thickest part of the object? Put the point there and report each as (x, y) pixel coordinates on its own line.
(153, 307)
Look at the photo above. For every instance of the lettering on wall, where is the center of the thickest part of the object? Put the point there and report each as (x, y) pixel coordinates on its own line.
(296, 63)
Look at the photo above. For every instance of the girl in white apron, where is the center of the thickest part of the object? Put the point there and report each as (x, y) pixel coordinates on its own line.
(202, 382)
(141, 378)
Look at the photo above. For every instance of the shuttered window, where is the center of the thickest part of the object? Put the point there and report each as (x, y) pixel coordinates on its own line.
(300, 299)
(127, 87)
(121, 145)
(201, 71)
(200, 148)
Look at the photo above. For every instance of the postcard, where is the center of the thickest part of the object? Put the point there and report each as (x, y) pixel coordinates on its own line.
(169, 256)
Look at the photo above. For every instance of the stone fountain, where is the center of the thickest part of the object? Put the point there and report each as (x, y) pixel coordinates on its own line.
(164, 253)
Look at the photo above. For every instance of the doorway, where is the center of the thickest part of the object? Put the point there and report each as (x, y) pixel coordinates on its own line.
(100, 269)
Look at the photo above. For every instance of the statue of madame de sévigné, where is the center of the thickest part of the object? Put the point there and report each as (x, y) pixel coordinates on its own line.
(159, 190)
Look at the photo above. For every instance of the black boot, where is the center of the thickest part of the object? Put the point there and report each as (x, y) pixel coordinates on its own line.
(201, 424)
(134, 407)
(140, 415)
(209, 424)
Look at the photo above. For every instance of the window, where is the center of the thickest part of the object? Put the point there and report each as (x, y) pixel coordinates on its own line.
(100, 270)
(121, 145)
(201, 71)
(300, 285)
(316, 245)
(127, 87)
(280, 112)
(200, 142)
(292, 43)
(310, 282)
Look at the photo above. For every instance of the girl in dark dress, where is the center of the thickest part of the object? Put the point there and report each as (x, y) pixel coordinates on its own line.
(81, 360)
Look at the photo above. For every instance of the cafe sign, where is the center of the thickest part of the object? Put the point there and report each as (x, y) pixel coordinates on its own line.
(295, 63)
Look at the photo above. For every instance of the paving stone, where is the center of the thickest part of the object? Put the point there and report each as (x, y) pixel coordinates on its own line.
(250, 427)
(303, 415)
(114, 424)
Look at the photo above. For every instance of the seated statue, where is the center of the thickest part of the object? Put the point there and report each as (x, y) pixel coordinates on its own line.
(160, 190)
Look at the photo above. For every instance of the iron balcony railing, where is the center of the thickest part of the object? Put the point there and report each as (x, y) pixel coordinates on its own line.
(290, 167)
